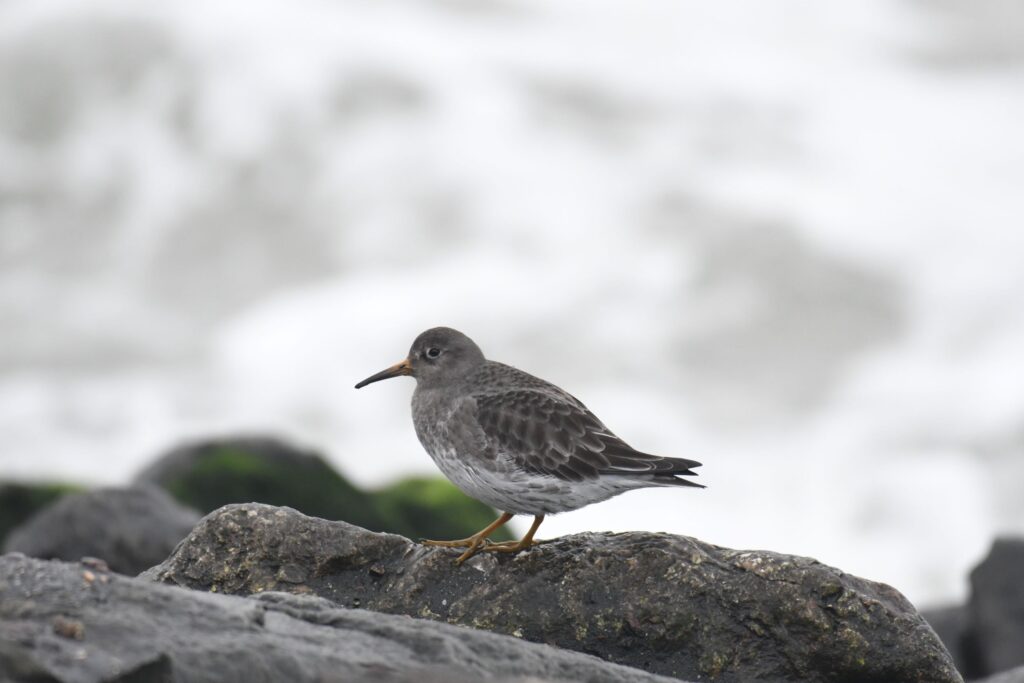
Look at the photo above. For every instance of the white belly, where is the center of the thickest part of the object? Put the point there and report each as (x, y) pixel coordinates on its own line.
(523, 493)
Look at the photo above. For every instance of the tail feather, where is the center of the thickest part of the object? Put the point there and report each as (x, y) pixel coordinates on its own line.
(666, 471)
(681, 467)
(678, 481)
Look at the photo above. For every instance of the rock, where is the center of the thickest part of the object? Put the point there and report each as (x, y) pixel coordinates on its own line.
(211, 473)
(669, 604)
(131, 529)
(60, 622)
(1010, 676)
(19, 501)
(995, 611)
(950, 625)
(986, 636)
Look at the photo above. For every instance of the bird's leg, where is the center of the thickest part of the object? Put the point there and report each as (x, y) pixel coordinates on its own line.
(516, 546)
(473, 542)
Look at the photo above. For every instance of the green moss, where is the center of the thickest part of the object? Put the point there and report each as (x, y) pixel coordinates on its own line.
(425, 507)
(224, 474)
(19, 501)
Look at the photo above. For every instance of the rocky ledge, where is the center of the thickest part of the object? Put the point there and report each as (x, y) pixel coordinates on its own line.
(78, 623)
(667, 604)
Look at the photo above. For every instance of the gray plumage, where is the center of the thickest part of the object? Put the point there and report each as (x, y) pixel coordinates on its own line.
(514, 441)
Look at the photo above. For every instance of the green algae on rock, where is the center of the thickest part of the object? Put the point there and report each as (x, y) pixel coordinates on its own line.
(208, 474)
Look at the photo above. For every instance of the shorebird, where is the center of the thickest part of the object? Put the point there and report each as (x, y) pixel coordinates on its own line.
(514, 441)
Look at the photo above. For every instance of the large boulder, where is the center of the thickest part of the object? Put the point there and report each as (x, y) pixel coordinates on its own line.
(669, 604)
(131, 529)
(209, 473)
(64, 622)
(995, 611)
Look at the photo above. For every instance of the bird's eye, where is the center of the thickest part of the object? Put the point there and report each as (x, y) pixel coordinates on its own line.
(433, 352)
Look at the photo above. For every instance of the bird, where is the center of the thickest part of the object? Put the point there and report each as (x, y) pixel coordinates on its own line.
(516, 442)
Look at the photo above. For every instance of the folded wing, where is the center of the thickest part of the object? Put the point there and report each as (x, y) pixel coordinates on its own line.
(556, 435)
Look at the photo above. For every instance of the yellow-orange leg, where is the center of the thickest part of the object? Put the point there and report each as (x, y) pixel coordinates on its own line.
(516, 546)
(473, 542)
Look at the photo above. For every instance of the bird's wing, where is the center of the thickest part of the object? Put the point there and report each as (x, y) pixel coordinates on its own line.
(558, 436)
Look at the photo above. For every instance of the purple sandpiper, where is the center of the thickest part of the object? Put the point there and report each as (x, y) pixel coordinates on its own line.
(514, 441)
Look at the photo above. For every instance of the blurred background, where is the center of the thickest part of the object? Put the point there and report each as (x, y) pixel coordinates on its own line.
(784, 239)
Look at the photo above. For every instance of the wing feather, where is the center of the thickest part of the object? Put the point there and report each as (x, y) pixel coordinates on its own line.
(558, 436)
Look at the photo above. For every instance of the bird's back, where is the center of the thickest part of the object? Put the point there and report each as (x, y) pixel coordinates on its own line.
(495, 378)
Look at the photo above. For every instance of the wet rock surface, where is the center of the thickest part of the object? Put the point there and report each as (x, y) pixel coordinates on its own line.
(131, 529)
(75, 623)
(668, 604)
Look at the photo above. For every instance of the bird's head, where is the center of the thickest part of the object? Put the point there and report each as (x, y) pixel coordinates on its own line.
(439, 356)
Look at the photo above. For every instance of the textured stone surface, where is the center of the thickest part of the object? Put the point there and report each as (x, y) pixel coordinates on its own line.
(668, 604)
(131, 529)
(75, 624)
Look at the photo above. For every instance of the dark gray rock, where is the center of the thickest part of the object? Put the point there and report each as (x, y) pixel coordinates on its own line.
(668, 604)
(209, 473)
(131, 528)
(70, 623)
(20, 500)
(950, 625)
(1010, 676)
(995, 611)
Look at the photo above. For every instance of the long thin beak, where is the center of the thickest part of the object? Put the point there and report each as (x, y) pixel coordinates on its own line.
(403, 368)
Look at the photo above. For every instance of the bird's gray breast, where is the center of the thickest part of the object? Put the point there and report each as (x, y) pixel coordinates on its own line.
(446, 426)
(450, 433)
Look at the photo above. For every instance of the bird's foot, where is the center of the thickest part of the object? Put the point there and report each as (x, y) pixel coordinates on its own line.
(473, 549)
(473, 545)
(477, 541)
(461, 543)
(510, 546)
